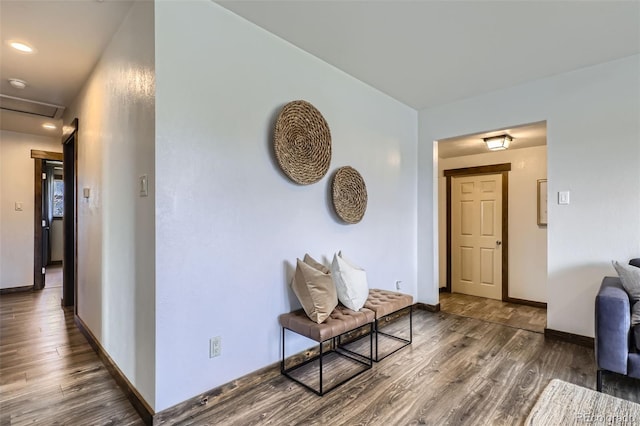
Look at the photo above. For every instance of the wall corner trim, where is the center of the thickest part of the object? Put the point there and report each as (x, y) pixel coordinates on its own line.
(427, 307)
(146, 412)
(563, 336)
(533, 303)
(20, 289)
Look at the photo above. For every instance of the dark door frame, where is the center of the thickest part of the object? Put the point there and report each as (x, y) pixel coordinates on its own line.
(504, 170)
(40, 158)
(70, 218)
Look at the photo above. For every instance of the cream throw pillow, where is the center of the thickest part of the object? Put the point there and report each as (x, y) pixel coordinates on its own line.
(315, 291)
(630, 277)
(312, 262)
(350, 281)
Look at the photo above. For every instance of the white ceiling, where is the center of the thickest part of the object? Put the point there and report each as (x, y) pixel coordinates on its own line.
(69, 37)
(428, 53)
(423, 53)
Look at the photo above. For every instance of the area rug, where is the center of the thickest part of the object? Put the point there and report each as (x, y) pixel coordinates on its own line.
(563, 403)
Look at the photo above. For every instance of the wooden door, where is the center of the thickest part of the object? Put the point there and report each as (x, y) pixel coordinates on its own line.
(476, 235)
(70, 217)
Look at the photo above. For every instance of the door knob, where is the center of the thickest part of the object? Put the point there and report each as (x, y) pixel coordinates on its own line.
(498, 243)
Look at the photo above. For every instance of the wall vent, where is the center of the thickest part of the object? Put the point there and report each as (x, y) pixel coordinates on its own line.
(27, 106)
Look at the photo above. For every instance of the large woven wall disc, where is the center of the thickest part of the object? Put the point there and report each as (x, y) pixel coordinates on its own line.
(349, 194)
(302, 142)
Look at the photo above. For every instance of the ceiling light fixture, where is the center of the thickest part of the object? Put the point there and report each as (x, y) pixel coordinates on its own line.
(22, 47)
(17, 83)
(49, 126)
(498, 143)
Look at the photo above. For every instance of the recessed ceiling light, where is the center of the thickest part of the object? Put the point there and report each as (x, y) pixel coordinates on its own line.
(21, 46)
(49, 126)
(17, 83)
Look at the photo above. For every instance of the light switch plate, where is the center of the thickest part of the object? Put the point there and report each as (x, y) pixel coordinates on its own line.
(215, 346)
(18, 206)
(563, 197)
(144, 186)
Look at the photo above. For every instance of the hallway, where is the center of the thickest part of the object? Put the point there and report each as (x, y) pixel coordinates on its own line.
(48, 371)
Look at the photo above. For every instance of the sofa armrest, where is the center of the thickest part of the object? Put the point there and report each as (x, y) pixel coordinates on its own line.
(613, 326)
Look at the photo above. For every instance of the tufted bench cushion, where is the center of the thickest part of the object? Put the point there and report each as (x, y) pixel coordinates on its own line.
(341, 320)
(385, 302)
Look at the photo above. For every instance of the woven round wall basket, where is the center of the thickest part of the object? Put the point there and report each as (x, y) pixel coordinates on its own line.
(349, 194)
(302, 142)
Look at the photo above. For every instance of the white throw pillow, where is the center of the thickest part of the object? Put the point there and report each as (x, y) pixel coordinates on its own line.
(351, 282)
(630, 277)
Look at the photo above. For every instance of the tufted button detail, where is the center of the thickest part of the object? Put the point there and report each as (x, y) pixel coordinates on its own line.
(340, 321)
(385, 302)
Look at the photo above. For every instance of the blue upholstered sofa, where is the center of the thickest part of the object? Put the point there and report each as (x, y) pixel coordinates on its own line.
(617, 344)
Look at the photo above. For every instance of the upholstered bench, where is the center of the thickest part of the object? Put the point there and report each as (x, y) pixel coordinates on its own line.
(341, 321)
(387, 305)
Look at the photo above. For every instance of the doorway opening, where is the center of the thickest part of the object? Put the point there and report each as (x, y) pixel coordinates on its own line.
(518, 239)
(47, 215)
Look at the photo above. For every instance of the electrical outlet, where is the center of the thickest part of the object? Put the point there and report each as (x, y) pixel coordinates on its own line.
(398, 285)
(215, 346)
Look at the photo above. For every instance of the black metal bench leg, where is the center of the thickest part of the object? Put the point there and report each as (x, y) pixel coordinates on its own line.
(407, 342)
(371, 345)
(599, 380)
(283, 354)
(362, 359)
(376, 331)
(321, 369)
(411, 324)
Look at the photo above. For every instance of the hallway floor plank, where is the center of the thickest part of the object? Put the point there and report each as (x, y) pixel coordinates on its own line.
(48, 372)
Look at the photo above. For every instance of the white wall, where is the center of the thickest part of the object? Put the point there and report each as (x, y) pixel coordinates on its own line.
(229, 224)
(593, 134)
(16, 185)
(116, 244)
(527, 240)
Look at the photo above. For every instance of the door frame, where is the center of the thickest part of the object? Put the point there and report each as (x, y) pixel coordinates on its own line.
(40, 158)
(70, 218)
(502, 169)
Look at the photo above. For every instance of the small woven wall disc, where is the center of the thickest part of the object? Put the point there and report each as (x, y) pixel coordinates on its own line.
(302, 142)
(349, 194)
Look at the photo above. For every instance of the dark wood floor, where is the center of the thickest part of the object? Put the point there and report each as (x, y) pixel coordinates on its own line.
(458, 370)
(519, 316)
(48, 372)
